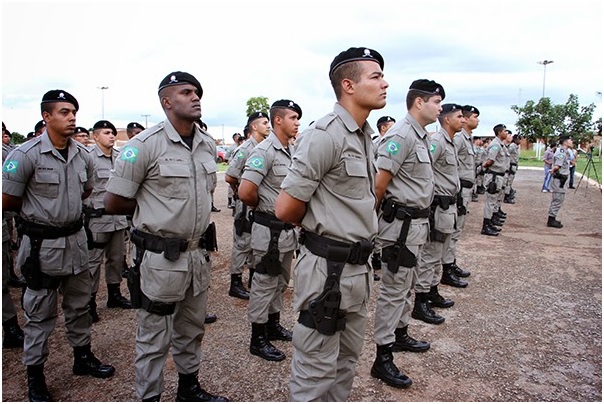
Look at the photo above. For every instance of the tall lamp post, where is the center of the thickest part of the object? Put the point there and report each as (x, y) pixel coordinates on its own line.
(103, 88)
(145, 116)
(544, 63)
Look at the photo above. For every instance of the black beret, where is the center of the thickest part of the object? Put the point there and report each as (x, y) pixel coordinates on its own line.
(429, 87)
(385, 119)
(246, 130)
(353, 54)
(60, 96)
(31, 135)
(105, 125)
(448, 108)
(470, 108)
(39, 125)
(180, 78)
(80, 129)
(135, 125)
(289, 104)
(256, 115)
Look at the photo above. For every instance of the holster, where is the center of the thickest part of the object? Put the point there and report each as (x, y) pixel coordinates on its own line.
(492, 188)
(134, 279)
(513, 168)
(398, 254)
(90, 213)
(461, 209)
(242, 222)
(270, 263)
(466, 183)
(435, 235)
(211, 240)
(562, 177)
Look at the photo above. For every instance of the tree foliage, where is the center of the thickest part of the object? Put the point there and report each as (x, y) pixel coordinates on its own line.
(544, 119)
(17, 138)
(255, 104)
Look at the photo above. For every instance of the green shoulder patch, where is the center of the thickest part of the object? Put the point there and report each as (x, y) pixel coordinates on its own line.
(129, 154)
(10, 166)
(495, 147)
(393, 147)
(240, 155)
(257, 162)
(432, 147)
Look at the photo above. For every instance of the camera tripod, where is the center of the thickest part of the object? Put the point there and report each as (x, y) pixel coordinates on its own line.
(588, 167)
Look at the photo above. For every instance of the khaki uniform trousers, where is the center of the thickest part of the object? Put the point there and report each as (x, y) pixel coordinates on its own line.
(40, 308)
(113, 254)
(558, 194)
(492, 204)
(266, 295)
(450, 250)
(241, 253)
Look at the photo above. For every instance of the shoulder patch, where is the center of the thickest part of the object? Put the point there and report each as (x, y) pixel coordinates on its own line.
(495, 147)
(432, 147)
(129, 154)
(323, 123)
(393, 147)
(10, 166)
(257, 162)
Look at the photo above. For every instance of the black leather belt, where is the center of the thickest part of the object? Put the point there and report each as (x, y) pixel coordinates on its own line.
(159, 244)
(358, 253)
(271, 221)
(495, 173)
(42, 231)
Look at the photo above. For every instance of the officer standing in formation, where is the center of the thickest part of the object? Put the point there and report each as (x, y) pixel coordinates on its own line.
(329, 190)
(106, 232)
(171, 168)
(259, 128)
(560, 172)
(495, 165)
(514, 150)
(466, 169)
(45, 181)
(404, 190)
(80, 135)
(133, 129)
(478, 160)
(273, 241)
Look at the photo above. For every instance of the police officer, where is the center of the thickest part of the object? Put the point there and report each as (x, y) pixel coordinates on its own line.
(513, 148)
(329, 190)
(259, 128)
(39, 128)
(273, 242)
(81, 135)
(169, 168)
(478, 160)
(133, 129)
(495, 166)
(560, 172)
(466, 168)
(13, 334)
(45, 181)
(7, 146)
(105, 232)
(404, 188)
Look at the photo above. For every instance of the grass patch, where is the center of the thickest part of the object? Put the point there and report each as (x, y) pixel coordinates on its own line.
(527, 159)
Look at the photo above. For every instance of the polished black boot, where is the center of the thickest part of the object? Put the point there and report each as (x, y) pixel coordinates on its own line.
(480, 189)
(13, 334)
(423, 311)
(449, 278)
(552, 222)
(190, 390)
(436, 300)
(462, 273)
(404, 342)
(261, 346)
(115, 298)
(501, 213)
(237, 289)
(496, 221)
(215, 209)
(509, 199)
(384, 369)
(36, 384)
(85, 363)
(487, 230)
(92, 308)
(249, 279)
(230, 205)
(275, 331)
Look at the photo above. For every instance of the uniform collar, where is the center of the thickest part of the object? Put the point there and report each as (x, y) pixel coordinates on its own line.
(272, 137)
(445, 135)
(419, 129)
(466, 134)
(46, 146)
(349, 121)
(174, 136)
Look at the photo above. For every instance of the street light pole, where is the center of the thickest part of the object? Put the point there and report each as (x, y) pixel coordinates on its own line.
(544, 63)
(145, 116)
(103, 88)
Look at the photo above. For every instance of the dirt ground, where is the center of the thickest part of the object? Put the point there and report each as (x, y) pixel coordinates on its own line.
(527, 328)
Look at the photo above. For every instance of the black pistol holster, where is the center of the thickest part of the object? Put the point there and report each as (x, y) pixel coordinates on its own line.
(444, 202)
(461, 209)
(270, 263)
(34, 277)
(243, 222)
(324, 313)
(90, 213)
(562, 177)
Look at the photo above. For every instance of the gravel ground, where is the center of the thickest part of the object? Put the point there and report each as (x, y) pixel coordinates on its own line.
(528, 328)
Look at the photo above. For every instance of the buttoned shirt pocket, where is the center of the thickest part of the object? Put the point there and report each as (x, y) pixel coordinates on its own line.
(450, 159)
(444, 220)
(424, 167)
(211, 168)
(163, 280)
(52, 252)
(174, 180)
(47, 184)
(353, 181)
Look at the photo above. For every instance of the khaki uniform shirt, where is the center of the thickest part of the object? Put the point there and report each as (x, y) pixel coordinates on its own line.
(497, 152)
(239, 157)
(444, 163)
(102, 170)
(466, 156)
(480, 155)
(6, 149)
(171, 184)
(561, 160)
(51, 189)
(514, 153)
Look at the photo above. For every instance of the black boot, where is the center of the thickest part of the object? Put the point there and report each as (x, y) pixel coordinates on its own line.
(404, 342)
(237, 289)
(152, 398)
(115, 298)
(474, 197)
(487, 229)
(231, 205)
(13, 334)
(501, 213)
(552, 222)
(249, 279)
(92, 308)
(423, 311)
(449, 278)
(497, 220)
(260, 345)
(384, 369)
(125, 269)
(436, 300)
(275, 331)
(85, 363)
(36, 384)
(215, 209)
(210, 318)
(480, 189)
(462, 273)
(509, 199)
(190, 390)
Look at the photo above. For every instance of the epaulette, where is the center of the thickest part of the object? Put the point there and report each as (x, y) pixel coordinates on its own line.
(323, 123)
(264, 145)
(144, 135)
(27, 146)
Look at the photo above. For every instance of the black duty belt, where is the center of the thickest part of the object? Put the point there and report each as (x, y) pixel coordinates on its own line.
(397, 210)
(158, 244)
(353, 253)
(489, 171)
(90, 212)
(466, 183)
(444, 200)
(271, 221)
(41, 231)
(514, 164)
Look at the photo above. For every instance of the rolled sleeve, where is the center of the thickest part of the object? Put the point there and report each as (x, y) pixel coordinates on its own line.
(299, 187)
(122, 187)
(386, 164)
(254, 177)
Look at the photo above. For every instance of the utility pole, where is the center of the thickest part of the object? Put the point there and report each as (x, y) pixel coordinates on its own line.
(146, 116)
(544, 63)
(103, 88)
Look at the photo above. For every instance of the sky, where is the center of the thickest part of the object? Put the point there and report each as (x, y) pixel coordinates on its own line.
(484, 53)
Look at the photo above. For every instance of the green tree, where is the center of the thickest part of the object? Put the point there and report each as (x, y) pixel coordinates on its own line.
(256, 104)
(17, 138)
